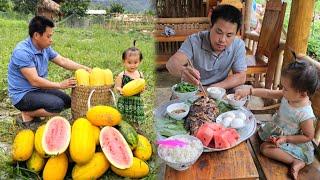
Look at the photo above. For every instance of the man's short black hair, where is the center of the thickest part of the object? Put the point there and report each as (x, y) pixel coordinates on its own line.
(228, 13)
(38, 24)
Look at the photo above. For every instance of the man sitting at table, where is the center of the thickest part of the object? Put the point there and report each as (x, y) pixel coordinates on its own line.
(213, 53)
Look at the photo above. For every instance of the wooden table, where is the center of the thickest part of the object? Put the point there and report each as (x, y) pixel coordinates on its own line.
(235, 163)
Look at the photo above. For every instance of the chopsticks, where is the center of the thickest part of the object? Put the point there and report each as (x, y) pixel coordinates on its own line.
(200, 84)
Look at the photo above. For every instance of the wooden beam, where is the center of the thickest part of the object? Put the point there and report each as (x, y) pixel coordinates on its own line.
(299, 27)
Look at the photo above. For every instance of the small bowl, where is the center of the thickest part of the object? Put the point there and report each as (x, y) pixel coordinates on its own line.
(183, 96)
(181, 158)
(178, 111)
(236, 103)
(216, 92)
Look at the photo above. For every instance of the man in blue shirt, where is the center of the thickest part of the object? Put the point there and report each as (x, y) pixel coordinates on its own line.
(29, 89)
(213, 53)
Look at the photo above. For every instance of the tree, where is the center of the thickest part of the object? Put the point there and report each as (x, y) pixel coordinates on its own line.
(78, 7)
(116, 8)
(25, 6)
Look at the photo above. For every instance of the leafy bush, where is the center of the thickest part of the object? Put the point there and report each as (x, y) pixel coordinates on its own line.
(25, 6)
(314, 43)
(78, 7)
(116, 8)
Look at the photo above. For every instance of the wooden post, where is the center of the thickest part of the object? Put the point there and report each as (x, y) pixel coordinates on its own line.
(247, 15)
(299, 27)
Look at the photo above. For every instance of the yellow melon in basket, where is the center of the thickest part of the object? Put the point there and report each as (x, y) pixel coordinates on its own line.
(82, 77)
(96, 77)
(134, 87)
(108, 77)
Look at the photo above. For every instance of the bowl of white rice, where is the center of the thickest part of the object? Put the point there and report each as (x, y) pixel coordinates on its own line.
(181, 157)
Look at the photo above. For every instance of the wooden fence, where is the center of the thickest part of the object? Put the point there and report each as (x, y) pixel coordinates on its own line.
(111, 21)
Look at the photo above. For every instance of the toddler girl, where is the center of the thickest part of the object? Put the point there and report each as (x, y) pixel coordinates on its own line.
(288, 136)
(131, 107)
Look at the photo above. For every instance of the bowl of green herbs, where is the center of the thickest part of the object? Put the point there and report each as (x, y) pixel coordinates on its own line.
(184, 90)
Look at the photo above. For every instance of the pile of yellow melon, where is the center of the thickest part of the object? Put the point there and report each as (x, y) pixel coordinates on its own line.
(57, 146)
(97, 77)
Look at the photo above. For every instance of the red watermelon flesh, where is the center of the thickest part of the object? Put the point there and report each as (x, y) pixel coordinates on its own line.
(214, 135)
(215, 126)
(220, 142)
(229, 137)
(234, 133)
(115, 148)
(56, 136)
(205, 134)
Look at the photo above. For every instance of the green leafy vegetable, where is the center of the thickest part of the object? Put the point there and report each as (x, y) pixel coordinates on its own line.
(169, 127)
(224, 107)
(184, 87)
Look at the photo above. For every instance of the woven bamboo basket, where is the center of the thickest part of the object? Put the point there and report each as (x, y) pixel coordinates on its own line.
(83, 97)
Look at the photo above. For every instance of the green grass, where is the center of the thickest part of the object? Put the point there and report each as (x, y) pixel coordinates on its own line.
(94, 47)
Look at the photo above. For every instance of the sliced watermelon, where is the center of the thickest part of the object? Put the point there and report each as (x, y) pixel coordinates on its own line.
(234, 133)
(220, 142)
(205, 134)
(226, 135)
(56, 136)
(115, 148)
(215, 126)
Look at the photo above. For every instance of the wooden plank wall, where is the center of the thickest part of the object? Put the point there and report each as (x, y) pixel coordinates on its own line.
(179, 8)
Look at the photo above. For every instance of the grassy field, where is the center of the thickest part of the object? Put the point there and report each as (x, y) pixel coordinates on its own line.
(94, 47)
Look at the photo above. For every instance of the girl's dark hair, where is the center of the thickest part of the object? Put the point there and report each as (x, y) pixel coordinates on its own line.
(39, 24)
(133, 49)
(228, 13)
(304, 76)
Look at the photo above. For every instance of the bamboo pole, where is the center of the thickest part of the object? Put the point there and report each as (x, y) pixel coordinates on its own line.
(299, 27)
(247, 15)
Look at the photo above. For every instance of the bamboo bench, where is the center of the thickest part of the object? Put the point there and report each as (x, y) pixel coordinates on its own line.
(271, 169)
(166, 46)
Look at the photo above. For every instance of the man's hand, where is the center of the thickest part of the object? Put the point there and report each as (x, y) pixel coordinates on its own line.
(71, 82)
(190, 75)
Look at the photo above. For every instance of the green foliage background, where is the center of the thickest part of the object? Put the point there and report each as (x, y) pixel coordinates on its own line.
(314, 38)
(78, 7)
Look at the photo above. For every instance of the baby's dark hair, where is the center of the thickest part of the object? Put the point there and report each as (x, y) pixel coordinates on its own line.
(132, 50)
(304, 76)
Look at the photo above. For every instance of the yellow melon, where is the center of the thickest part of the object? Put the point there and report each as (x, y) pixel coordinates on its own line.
(95, 168)
(82, 77)
(108, 77)
(134, 87)
(104, 116)
(82, 144)
(96, 77)
(23, 143)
